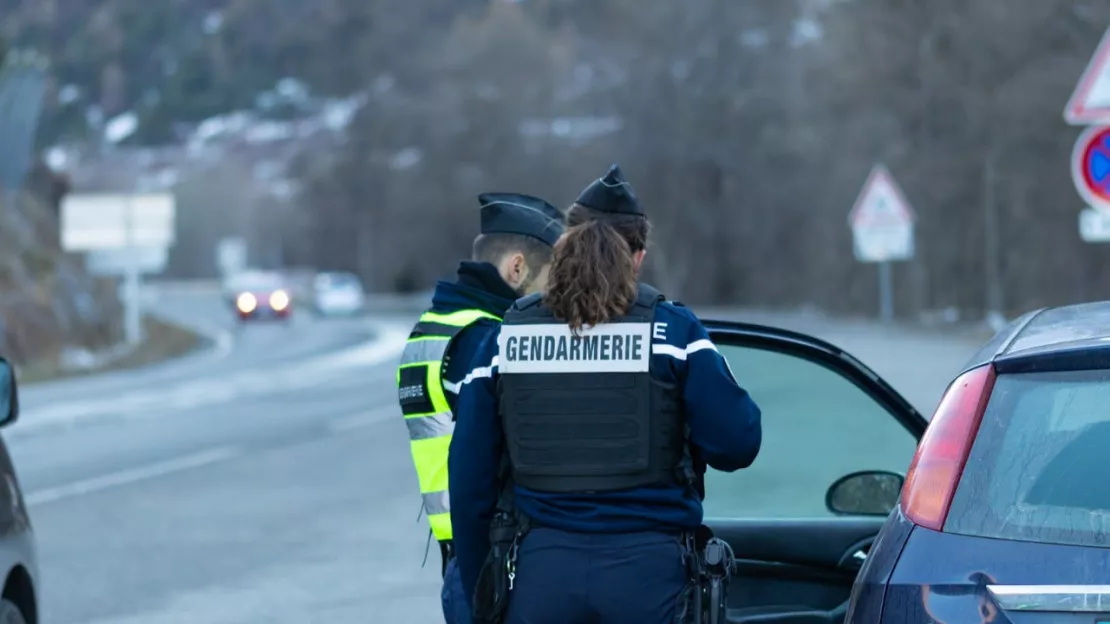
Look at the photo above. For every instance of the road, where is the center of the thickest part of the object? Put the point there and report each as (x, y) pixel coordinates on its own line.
(266, 479)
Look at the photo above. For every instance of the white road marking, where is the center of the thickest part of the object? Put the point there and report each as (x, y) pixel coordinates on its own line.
(365, 419)
(387, 345)
(223, 341)
(133, 475)
(224, 344)
(207, 391)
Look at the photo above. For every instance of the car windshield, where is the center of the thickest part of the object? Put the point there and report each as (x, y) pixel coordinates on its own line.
(337, 280)
(257, 281)
(1039, 468)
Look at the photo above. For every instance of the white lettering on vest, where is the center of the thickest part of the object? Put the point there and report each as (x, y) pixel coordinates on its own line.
(659, 332)
(609, 348)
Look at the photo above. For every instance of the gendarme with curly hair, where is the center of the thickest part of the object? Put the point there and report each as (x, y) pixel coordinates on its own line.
(584, 430)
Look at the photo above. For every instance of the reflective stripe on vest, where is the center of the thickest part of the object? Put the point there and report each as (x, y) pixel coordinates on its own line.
(427, 413)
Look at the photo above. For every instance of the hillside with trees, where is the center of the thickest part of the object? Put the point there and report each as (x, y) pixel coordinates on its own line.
(746, 127)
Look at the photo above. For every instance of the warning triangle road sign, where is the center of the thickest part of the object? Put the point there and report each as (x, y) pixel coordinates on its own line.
(881, 203)
(1090, 103)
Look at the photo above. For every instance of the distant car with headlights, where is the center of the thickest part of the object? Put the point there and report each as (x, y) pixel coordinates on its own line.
(260, 295)
(337, 294)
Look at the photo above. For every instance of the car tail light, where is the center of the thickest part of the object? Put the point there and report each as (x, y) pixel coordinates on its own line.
(939, 462)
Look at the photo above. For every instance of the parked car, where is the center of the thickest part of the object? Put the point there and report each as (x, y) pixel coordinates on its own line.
(1004, 515)
(18, 559)
(337, 294)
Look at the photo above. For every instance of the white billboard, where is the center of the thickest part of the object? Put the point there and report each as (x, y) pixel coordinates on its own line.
(102, 221)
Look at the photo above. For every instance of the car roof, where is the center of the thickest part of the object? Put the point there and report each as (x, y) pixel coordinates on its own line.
(342, 277)
(265, 280)
(1048, 330)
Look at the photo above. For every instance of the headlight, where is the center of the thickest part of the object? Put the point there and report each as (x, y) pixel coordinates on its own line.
(246, 303)
(279, 300)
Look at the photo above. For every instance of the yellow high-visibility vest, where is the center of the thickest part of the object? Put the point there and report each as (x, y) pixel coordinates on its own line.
(424, 404)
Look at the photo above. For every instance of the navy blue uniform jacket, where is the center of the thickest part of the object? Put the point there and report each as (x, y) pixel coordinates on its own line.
(725, 433)
(478, 286)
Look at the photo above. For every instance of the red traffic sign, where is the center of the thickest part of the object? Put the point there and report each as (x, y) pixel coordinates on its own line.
(881, 203)
(1090, 103)
(1090, 166)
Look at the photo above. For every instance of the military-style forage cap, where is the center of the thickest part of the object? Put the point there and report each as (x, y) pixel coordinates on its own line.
(525, 215)
(612, 194)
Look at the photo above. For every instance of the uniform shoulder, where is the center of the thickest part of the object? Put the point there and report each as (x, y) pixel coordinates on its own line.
(481, 327)
(676, 310)
(676, 324)
(527, 301)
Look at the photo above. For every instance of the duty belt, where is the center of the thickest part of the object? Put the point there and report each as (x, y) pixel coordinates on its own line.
(447, 553)
(710, 563)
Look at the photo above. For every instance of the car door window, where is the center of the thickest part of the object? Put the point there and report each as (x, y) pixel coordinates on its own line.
(818, 426)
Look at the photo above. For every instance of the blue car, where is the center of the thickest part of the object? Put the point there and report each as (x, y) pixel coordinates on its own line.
(1001, 513)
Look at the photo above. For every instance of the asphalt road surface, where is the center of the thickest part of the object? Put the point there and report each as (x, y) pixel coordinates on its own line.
(266, 479)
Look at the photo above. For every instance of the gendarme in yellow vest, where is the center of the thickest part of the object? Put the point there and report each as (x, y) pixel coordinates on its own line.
(427, 413)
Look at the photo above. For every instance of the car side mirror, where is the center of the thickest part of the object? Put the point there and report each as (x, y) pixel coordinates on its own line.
(9, 396)
(865, 493)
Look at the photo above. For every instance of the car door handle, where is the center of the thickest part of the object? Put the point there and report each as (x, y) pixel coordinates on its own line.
(855, 556)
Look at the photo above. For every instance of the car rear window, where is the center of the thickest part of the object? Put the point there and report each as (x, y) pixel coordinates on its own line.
(1039, 469)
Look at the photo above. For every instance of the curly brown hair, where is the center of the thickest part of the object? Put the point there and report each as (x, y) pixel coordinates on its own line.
(593, 272)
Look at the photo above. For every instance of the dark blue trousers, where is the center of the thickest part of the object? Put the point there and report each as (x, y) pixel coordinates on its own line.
(455, 609)
(580, 578)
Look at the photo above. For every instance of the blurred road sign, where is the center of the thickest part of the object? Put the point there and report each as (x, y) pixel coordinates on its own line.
(117, 221)
(231, 255)
(882, 231)
(882, 220)
(1090, 103)
(883, 244)
(125, 232)
(111, 262)
(1094, 225)
(1090, 166)
(22, 84)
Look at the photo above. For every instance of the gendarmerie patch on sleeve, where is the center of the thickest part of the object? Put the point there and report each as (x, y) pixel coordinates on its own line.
(609, 348)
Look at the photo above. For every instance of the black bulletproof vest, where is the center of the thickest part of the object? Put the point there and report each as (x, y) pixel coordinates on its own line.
(579, 428)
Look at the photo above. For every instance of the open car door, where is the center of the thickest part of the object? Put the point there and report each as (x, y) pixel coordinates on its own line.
(827, 420)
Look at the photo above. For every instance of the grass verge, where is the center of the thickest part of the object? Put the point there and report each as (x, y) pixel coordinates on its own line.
(163, 340)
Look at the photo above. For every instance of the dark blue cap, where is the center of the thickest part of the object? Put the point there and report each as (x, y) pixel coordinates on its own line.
(525, 215)
(611, 194)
